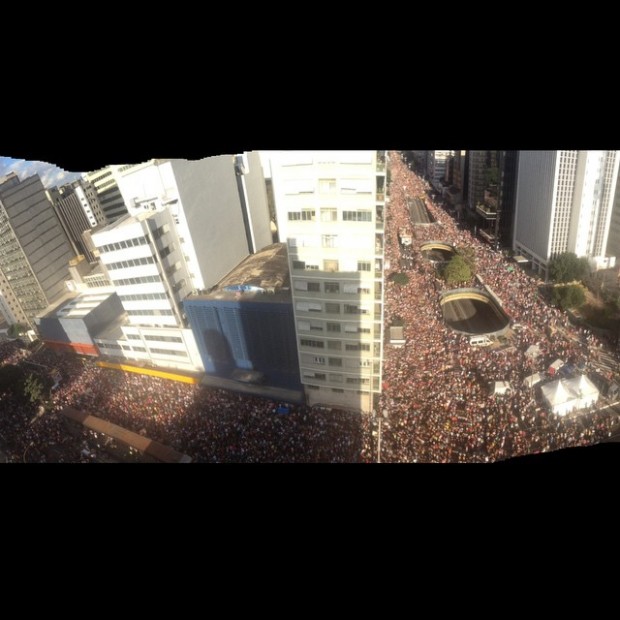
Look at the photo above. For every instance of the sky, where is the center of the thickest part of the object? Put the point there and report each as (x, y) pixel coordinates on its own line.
(50, 175)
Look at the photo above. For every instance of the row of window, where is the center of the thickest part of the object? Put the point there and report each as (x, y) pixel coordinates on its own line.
(142, 280)
(331, 308)
(150, 313)
(330, 215)
(121, 245)
(331, 287)
(333, 328)
(169, 352)
(337, 362)
(330, 265)
(321, 376)
(164, 338)
(134, 262)
(144, 297)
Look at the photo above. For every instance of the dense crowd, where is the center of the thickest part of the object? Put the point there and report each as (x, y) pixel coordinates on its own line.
(436, 388)
(210, 425)
(436, 398)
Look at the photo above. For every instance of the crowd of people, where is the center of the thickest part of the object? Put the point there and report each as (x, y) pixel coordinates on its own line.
(435, 401)
(436, 388)
(209, 425)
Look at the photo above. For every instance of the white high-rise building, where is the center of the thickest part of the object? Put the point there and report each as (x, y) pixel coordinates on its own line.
(436, 165)
(144, 262)
(564, 204)
(219, 205)
(330, 211)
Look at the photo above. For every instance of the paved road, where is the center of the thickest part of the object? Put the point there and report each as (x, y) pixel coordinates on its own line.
(472, 316)
(418, 212)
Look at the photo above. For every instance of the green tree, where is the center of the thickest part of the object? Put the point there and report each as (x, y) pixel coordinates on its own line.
(571, 296)
(457, 271)
(16, 329)
(468, 254)
(33, 388)
(399, 278)
(567, 267)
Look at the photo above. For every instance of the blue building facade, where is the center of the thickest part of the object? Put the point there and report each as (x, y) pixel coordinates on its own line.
(237, 334)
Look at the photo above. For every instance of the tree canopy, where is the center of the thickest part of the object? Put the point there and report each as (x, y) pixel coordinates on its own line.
(457, 270)
(399, 278)
(567, 267)
(16, 329)
(571, 296)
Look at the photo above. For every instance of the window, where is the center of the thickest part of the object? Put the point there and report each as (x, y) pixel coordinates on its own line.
(303, 326)
(363, 290)
(332, 287)
(319, 360)
(329, 215)
(321, 376)
(294, 216)
(352, 309)
(363, 265)
(332, 308)
(329, 241)
(133, 336)
(334, 345)
(327, 186)
(314, 287)
(335, 362)
(307, 306)
(357, 216)
(312, 387)
(312, 267)
(333, 327)
(308, 215)
(338, 390)
(316, 344)
(330, 265)
(168, 352)
(299, 264)
(358, 381)
(359, 346)
(164, 338)
(316, 326)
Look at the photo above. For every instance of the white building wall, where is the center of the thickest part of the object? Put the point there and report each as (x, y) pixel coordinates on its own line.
(319, 196)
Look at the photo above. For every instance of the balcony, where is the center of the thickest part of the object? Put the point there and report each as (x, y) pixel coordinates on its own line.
(380, 165)
(380, 196)
(488, 213)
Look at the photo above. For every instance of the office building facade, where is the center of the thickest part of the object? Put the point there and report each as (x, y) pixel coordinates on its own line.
(78, 209)
(34, 248)
(219, 205)
(142, 258)
(330, 209)
(564, 204)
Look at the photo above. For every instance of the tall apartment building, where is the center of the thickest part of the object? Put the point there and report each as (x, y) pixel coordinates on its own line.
(483, 172)
(330, 210)
(78, 209)
(564, 204)
(143, 259)
(219, 205)
(436, 162)
(34, 249)
(105, 182)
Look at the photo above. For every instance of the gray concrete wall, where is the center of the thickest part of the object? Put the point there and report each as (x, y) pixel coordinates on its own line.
(210, 198)
(257, 201)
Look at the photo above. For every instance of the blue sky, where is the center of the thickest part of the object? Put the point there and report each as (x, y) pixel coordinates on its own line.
(50, 175)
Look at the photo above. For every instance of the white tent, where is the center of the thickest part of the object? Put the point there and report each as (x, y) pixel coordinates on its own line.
(531, 380)
(560, 399)
(584, 388)
(533, 351)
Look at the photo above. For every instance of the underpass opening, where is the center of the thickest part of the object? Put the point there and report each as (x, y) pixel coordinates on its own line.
(473, 312)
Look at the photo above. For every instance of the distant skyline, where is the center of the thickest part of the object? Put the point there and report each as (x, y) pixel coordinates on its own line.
(50, 174)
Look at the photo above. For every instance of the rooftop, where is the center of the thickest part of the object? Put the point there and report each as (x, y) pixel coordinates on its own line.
(74, 305)
(263, 276)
